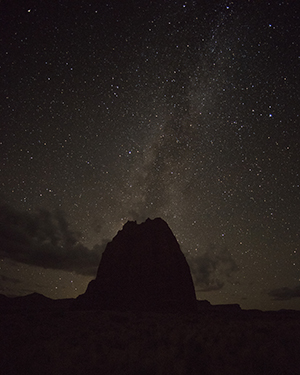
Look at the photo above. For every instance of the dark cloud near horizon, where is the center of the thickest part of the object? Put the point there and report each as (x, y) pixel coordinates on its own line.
(45, 239)
(285, 293)
(7, 285)
(6, 279)
(212, 269)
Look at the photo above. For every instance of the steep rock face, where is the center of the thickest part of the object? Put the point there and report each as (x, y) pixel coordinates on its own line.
(142, 268)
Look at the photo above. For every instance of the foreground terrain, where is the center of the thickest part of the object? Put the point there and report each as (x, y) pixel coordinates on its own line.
(106, 342)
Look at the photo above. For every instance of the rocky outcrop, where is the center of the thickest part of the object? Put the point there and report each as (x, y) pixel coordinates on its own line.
(143, 268)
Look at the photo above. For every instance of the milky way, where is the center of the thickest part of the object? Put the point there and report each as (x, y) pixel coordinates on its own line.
(187, 110)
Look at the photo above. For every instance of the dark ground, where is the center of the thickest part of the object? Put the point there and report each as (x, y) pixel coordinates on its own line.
(105, 342)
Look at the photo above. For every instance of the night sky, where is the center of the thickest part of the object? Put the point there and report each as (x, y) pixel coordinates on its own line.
(122, 110)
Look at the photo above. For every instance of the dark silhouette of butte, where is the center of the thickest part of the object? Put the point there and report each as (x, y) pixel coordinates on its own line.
(142, 269)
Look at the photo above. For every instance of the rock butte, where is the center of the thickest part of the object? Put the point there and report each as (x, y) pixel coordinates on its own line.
(143, 269)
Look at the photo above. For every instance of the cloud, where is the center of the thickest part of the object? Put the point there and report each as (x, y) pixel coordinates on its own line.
(212, 269)
(5, 279)
(45, 239)
(285, 293)
(7, 285)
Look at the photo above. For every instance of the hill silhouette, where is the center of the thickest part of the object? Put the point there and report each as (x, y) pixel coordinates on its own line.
(142, 268)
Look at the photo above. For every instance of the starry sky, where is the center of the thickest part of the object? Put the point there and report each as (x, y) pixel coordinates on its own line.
(123, 110)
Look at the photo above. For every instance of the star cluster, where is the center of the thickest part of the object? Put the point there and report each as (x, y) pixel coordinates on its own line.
(188, 110)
